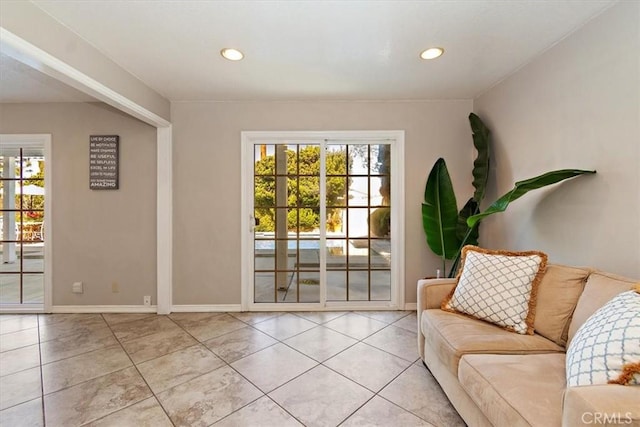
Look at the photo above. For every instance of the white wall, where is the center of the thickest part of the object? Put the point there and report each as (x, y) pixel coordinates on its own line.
(207, 174)
(576, 106)
(99, 237)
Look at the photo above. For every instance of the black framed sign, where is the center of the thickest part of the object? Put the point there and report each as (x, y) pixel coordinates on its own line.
(104, 162)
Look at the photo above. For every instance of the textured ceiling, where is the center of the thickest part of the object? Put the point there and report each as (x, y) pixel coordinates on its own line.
(322, 50)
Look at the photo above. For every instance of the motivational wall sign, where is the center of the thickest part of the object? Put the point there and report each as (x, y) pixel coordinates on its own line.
(103, 162)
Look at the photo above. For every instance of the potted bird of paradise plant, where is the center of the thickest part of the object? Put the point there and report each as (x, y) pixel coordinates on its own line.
(448, 229)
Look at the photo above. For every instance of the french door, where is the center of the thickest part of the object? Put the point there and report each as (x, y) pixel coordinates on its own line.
(323, 220)
(25, 284)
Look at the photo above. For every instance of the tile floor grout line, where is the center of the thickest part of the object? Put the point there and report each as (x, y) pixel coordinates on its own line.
(362, 385)
(25, 369)
(264, 393)
(44, 420)
(386, 385)
(117, 344)
(84, 381)
(23, 346)
(228, 365)
(143, 379)
(84, 352)
(285, 410)
(340, 332)
(356, 410)
(388, 352)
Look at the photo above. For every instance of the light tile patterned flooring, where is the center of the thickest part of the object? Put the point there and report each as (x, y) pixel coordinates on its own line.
(222, 369)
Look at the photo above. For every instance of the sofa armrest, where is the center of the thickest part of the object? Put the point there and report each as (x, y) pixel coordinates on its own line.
(431, 293)
(603, 405)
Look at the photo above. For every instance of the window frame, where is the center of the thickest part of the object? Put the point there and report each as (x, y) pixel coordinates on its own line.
(395, 138)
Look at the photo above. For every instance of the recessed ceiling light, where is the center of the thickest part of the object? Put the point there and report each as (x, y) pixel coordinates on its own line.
(432, 53)
(231, 54)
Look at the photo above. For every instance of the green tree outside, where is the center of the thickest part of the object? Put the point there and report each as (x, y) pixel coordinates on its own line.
(30, 202)
(303, 189)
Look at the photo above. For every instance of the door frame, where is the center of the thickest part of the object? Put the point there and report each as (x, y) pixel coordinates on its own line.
(40, 140)
(248, 140)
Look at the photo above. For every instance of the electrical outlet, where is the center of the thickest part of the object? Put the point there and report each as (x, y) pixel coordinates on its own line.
(115, 287)
(76, 288)
(147, 300)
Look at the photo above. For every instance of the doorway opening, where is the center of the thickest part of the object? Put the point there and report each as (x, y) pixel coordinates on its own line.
(25, 272)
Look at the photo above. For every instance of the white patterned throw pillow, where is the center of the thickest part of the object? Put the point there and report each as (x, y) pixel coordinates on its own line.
(498, 287)
(606, 348)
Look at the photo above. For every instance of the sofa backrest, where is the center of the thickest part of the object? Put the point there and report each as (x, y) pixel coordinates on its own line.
(558, 294)
(598, 291)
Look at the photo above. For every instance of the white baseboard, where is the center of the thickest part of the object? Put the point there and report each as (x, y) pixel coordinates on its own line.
(22, 309)
(214, 308)
(187, 308)
(104, 309)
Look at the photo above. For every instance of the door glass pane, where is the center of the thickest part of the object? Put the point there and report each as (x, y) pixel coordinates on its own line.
(358, 191)
(265, 222)
(336, 285)
(380, 221)
(32, 288)
(357, 222)
(264, 255)
(366, 222)
(264, 287)
(10, 288)
(286, 248)
(381, 285)
(308, 161)
(309, 286)
(264, 191)
(358, 285)
(290, 153)
(32, 257)
(358, 159)
(380, 253)
(336, 160)
(380, 163)
(337, 191)
(309, 191)
(264, 159)
(10, 257)
(379, 195)
(22, 203)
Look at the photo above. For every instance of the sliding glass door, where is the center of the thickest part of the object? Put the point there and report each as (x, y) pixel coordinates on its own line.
(23, 222)
(321, 229)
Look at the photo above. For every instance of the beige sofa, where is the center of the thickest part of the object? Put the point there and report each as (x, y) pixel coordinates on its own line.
(495, 377)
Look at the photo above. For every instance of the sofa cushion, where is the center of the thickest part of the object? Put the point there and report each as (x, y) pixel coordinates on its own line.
(599, 290)
(515, 390)
(451, 335)
(498, 286)
(606, 348)
(607, 405)
(558, 295)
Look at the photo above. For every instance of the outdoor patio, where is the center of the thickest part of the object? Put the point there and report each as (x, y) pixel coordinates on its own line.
(33, 284)
(340, 271)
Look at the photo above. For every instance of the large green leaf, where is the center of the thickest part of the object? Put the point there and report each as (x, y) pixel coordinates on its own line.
(462, 229)
(440, 212)
(481, 163)
(523, 187)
